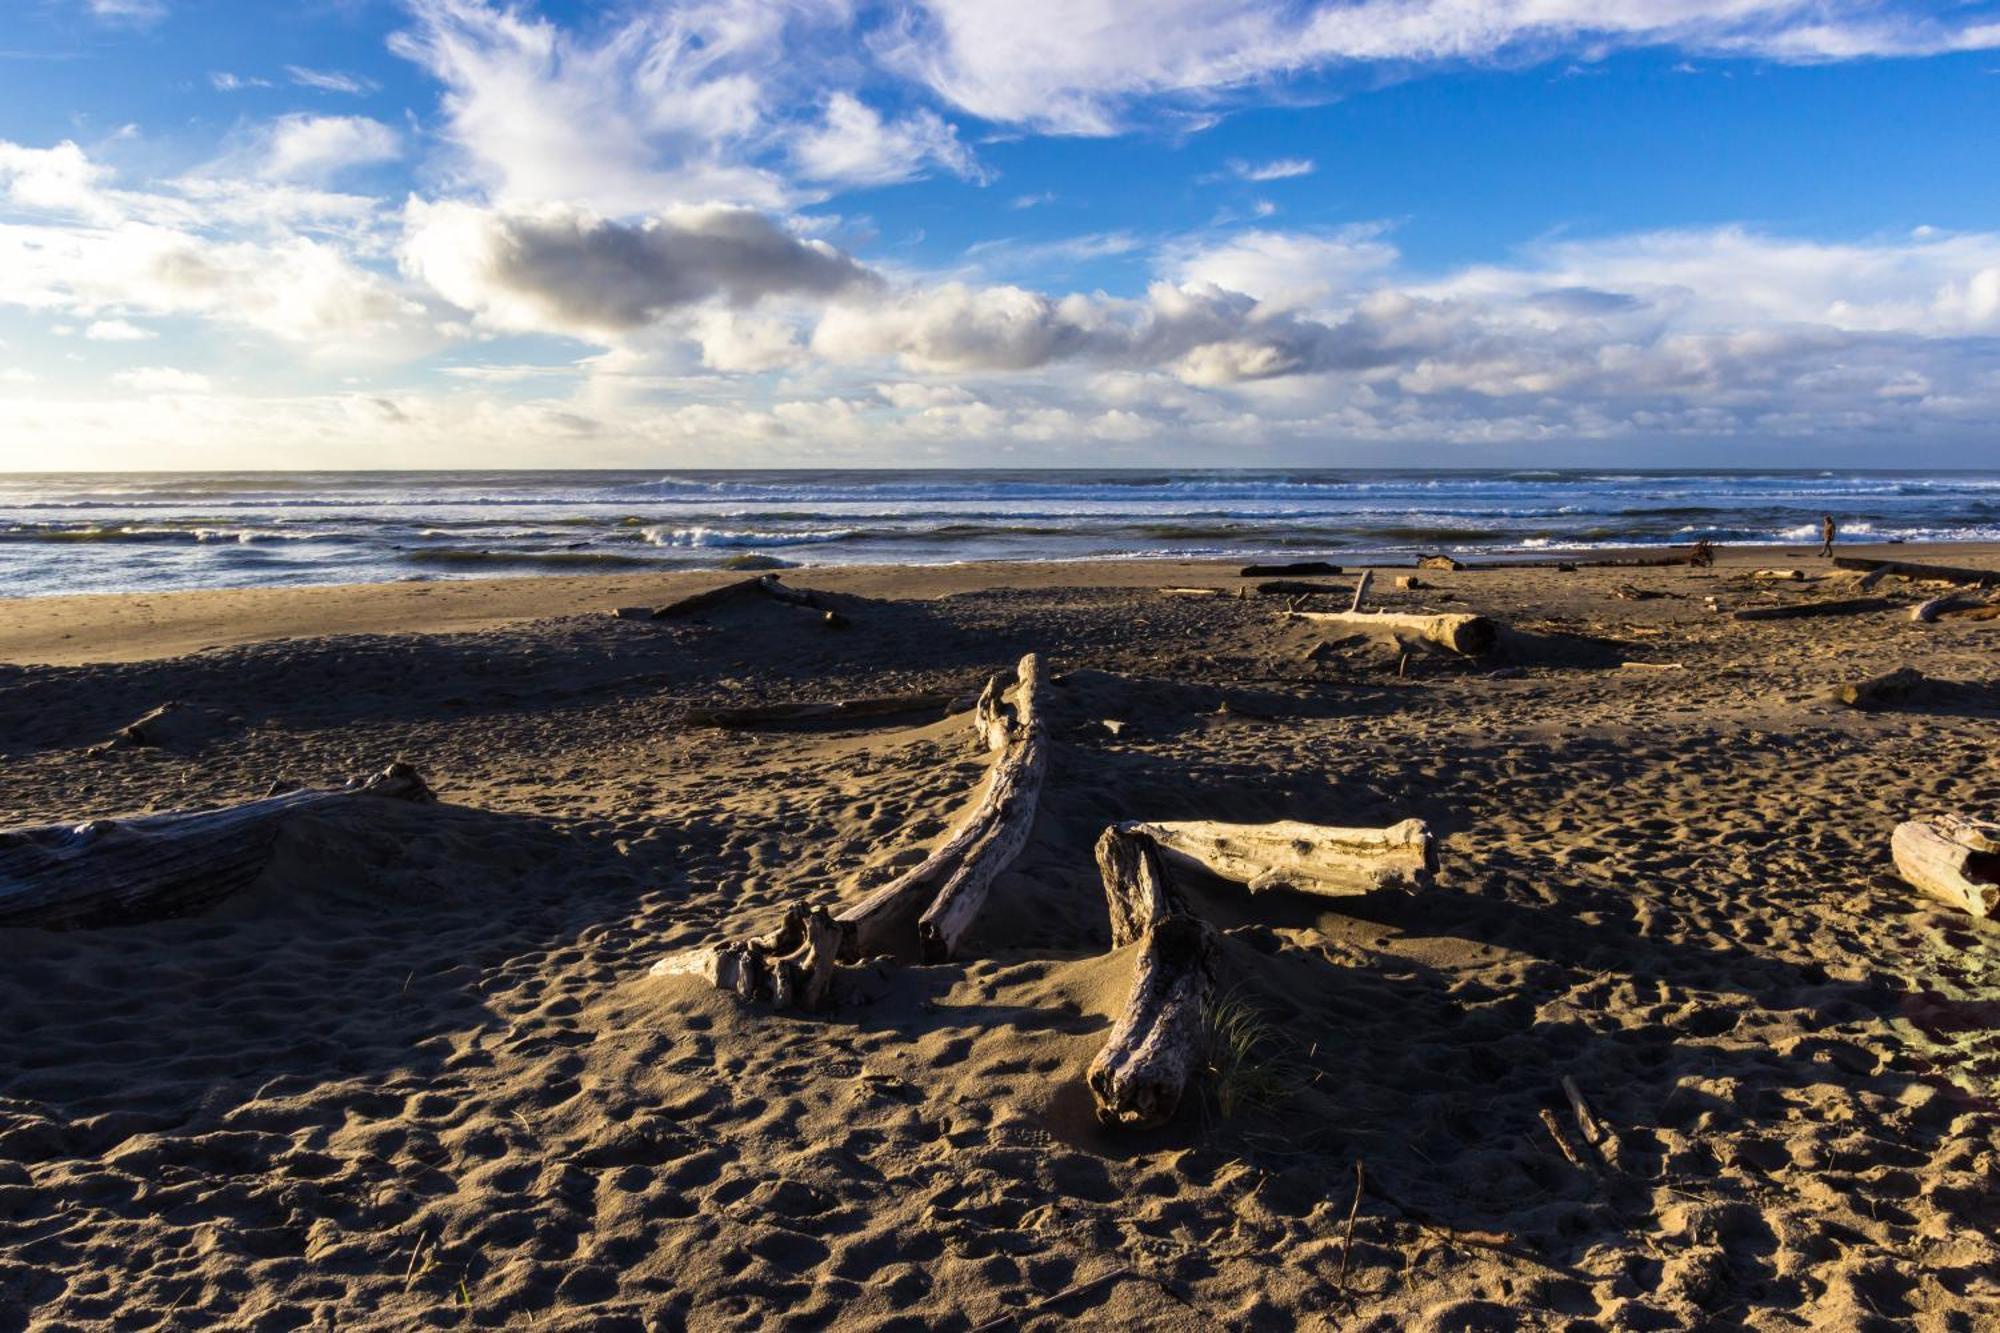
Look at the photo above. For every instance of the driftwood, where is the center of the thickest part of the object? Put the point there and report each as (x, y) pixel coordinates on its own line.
(940, 896)
(1954, 606)
(1851, 606)
(171, 726)
(791, 968)
(1780, 575)
(1910, 570)
(1467, 635)
(1194, 592)
(1440, 562)
(763, 585)
(1952, 858)
(113, 871)
(1410, 582)
(1307, 858)
(1296, 567)
(1139, 1077)
(1889, 688)
(1361, 589)
(888, 705)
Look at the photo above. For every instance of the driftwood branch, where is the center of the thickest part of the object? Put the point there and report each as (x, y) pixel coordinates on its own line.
(1852, 606)
(1466, 635)
(1911, 570)
(112, 871)
(1307, 858)
(1154, 1049)
(791, 968)
(1953, 858)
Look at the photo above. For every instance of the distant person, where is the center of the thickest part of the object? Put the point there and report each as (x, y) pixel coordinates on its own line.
(1827, 529)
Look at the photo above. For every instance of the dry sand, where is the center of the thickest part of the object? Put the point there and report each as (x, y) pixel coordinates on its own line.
(418, 1077)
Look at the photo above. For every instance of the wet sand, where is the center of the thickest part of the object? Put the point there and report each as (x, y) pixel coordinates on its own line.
(418, 1076)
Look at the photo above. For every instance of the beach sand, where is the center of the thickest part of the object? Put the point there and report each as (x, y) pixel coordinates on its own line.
(417, 1076)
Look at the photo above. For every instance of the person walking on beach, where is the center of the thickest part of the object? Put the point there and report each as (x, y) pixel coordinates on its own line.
(1827, 529)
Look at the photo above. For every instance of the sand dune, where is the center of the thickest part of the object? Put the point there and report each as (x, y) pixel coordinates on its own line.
(418, 1076)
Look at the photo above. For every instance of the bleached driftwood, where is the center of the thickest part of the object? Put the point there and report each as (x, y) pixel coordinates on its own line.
(1852, 606)
(112, 871)
(1910, 570)
(1142, 1072)
(1927, 612)
(925, 910)
(1953, 858)
(791, 968)
(1308, 858)
(1361, 589)
(1890, 687)
(1780, 575)
(1194, 592)
(1467, 635)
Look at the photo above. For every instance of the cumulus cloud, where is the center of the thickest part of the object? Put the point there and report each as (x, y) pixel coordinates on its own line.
(117, 331)
(302, 147)
(1077, 68)
(161, 380)
(562, 270)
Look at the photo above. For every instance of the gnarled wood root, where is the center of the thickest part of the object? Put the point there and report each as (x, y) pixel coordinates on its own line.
(1308, 858)
(1953, 858)
(116, 871)
(791, 968)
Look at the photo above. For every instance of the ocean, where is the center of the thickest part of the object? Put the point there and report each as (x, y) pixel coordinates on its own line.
(104, 532)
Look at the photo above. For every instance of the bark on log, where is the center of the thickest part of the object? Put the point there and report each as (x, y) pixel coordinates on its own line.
(1953, 859)
(114, 871)
(1911, 570)
(1308, 858)
(1467, 635)
(953, 879)
(1296, 567)
(888, 705)
(1884, 689)
(791, 968)
(1140, 1076)
(1802, 610)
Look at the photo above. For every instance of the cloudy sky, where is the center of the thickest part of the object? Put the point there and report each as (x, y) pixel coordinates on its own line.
(406, 233)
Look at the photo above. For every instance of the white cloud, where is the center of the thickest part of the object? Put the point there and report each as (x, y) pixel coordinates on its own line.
(225, 82)
(136, 12)
(161, 380)
(853, 145)
(330, 80)
(1077, 66)
(1284, 168)
(117, 331)
(312, 148)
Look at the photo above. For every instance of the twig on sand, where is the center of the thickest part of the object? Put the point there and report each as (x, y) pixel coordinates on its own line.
(1586, 1123)
(1347, 1243)
(1576, 1159)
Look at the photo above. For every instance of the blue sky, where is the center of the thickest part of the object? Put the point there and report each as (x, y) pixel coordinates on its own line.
(462, 233)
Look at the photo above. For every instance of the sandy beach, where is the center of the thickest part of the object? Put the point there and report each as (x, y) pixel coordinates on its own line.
(417, 1074)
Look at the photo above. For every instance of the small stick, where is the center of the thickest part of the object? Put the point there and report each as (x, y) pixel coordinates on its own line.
(1402, 663)
(1562, 1140)
(1593, 1133)
(1360, 1181)
(1361, 589)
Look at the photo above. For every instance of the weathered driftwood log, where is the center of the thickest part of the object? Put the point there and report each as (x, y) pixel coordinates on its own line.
(791, 968)
(1780, 575)
(925, 909)
(1911, 570)
(1141, 1074)
(1851, 606)
(1927, 612)
(1194, 592)
(1952, 858)
(888, 705)
(1308, 858)
(1296, 588)
(1440, 562)
(1888, 688)
(763, 585)
(112, 871)
(1467, 635)
(1295, 567)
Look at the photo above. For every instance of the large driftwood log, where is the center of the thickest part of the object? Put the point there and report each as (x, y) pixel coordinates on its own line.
(1952, 858)
(1297, 588)
(1295, 567)
(1891, 687)
(1143, 1070)
(791, 968)
(1309, 858)
(1467, 635)
(926, 909)
(1851, 606)
(763, 585)
(112, 871)
(1911, 570)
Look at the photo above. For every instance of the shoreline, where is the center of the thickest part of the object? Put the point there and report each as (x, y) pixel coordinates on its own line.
(72, 629)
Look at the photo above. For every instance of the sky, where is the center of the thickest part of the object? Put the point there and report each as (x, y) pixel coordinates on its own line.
(466, 233)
